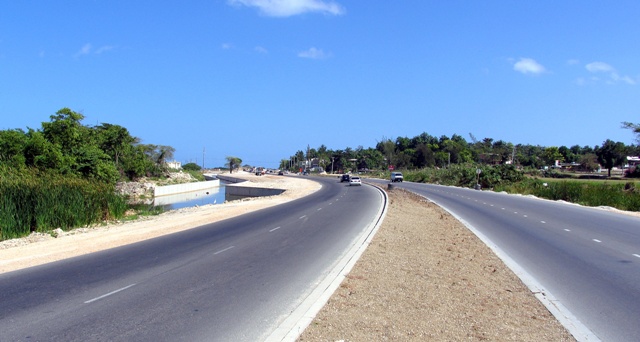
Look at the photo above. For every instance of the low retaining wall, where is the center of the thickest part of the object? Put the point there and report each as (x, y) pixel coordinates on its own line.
(185, 187)
(233, 192)
(230, 179)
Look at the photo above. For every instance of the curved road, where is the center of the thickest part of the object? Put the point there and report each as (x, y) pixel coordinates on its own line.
(584, 261)
(234, 280)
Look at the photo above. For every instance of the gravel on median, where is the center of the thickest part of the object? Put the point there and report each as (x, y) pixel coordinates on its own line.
(426, 277)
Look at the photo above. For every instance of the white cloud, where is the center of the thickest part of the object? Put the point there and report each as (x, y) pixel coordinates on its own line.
(599, 67)
(87, 49)
(573, 62)
(528, 66)
(287, 8)
(626, 79)
(614, 76)
(84, 50)
(261, 49)
(313, 53)
(104, 49)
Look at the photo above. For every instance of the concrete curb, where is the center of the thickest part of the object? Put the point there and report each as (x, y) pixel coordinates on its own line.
(291, 328)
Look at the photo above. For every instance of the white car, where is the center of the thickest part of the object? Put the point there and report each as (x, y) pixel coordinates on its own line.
(354, 180)
(396, 177)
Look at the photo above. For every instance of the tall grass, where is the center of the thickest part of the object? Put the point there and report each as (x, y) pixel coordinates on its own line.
(610, 194)
(620, 195)
(32, 201)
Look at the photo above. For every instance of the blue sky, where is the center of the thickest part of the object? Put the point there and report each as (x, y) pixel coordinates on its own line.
(262, 79)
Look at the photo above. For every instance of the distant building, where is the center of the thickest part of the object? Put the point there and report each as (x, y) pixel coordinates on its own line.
(174, 165)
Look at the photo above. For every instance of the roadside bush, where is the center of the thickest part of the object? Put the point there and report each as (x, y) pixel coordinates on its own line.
(33, 201)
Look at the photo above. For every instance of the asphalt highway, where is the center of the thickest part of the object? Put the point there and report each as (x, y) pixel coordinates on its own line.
(585, 262)
(234, 280)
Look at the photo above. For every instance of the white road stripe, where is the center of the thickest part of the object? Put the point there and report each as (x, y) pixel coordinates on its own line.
(303, 216)
(224, 250)
(274, 229)
(637, 255)
(596, 240)
(108, 294)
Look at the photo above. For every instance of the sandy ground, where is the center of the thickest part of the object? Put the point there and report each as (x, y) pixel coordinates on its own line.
(423, 277)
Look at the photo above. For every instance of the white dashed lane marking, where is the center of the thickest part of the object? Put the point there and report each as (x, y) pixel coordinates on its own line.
(223, 250)
(109, 294)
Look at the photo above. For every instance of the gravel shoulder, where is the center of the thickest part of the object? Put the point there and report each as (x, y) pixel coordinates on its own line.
(423, 277)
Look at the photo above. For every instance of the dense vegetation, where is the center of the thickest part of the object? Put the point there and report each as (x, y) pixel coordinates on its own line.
(63, 175)
(492, 164)
(104, 153)
(426, 151)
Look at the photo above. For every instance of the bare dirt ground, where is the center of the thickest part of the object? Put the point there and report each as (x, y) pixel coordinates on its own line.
(423, 277)
(426, 277)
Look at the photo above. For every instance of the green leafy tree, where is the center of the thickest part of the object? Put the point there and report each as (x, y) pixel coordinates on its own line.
(44, 155)
(12, 147)
(191, 167)
(610, 154)
(589, 162)
(551, 154)
(65, 130)
(115, 141)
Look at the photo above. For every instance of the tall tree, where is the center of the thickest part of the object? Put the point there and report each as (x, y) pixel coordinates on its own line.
(551, 154)
(233, 162)
(610, 154)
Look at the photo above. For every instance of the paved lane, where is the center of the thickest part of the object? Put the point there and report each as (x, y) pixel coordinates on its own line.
(234, 280)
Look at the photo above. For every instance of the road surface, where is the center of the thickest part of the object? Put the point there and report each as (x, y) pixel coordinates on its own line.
(234, 280)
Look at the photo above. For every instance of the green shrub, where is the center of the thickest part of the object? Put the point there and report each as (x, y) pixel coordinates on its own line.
(33, 201)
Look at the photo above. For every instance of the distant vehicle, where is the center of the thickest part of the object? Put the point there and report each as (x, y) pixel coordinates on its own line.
(344, 178)
(280, 173)
(396, 177)
(355, 180)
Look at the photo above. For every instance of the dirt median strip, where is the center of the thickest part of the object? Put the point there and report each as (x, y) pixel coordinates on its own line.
(425, 277)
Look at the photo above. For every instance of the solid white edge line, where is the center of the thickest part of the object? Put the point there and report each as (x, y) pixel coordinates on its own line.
(579, 331)
(108, 294)
(291, 328)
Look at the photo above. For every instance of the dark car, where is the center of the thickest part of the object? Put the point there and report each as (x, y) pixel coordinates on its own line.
(344, 178)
